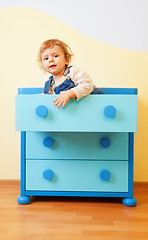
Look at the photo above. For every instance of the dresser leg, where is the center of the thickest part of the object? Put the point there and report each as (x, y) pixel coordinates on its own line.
(23, 199)
(130, 202)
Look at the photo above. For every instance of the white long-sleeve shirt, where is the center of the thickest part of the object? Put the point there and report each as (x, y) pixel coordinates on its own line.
(84, 85)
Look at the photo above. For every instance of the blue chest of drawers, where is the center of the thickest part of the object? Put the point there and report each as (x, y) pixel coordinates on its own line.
(85, 149)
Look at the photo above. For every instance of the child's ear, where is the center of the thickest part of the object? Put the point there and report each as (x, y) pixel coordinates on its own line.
(67, 63)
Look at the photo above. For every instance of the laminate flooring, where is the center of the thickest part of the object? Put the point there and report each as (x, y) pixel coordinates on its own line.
(69, 218)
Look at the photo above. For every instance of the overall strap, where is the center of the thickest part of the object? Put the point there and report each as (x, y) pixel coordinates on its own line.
(49, 84)
(48, 88)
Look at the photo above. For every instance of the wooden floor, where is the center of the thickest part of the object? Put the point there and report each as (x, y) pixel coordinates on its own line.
(57, 218)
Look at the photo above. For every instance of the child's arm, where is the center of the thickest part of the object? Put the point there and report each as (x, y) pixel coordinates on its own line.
(64, 97)
(83, 82)
(84, 86)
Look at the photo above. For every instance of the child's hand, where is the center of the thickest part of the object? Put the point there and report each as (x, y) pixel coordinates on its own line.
(64, 97)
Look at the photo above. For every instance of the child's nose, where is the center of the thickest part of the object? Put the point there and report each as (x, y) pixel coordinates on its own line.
(51, 59)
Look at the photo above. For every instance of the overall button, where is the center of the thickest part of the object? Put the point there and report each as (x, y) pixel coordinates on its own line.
(110, 111)
(41, 111)
(48, 142)
(105, 142)
(105, 175)
(48, 174)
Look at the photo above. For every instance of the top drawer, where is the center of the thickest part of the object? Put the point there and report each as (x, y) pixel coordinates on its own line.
(94, 113)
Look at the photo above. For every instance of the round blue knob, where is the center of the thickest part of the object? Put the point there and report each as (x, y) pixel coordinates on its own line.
(105, 142)
(105, 175)
(48, 174)
(48, 142)
(110, 111)
(41, 111)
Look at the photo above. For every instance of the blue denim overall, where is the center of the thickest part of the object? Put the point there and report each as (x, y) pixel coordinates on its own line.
(66, 85)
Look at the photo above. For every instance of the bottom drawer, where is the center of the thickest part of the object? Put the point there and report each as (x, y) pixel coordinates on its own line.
(76, 175)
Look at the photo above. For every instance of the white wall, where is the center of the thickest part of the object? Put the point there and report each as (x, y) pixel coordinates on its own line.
(121, 23)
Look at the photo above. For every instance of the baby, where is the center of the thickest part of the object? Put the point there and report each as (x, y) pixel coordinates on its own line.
(67, 81)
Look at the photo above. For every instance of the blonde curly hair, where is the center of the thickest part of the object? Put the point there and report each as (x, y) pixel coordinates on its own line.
(50, 44)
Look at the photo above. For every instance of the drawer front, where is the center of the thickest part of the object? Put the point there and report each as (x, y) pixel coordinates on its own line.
(108, 146)
(95, 113)
(76, 175)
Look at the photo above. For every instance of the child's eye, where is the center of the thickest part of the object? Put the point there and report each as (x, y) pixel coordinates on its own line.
(46, 58)
(55, 55)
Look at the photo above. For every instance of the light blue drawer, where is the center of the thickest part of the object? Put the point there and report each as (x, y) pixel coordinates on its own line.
(76, 175)
(89, 114)
(108, 146)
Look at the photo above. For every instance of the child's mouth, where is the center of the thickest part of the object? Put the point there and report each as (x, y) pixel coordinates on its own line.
(52, 66)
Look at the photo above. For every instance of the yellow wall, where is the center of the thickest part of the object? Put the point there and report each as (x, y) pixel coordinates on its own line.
(22, 32)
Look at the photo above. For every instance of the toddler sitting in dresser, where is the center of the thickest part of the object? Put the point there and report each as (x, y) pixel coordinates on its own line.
(67, 81)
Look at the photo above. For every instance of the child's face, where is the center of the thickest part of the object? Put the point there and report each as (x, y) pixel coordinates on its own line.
(54, 61)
